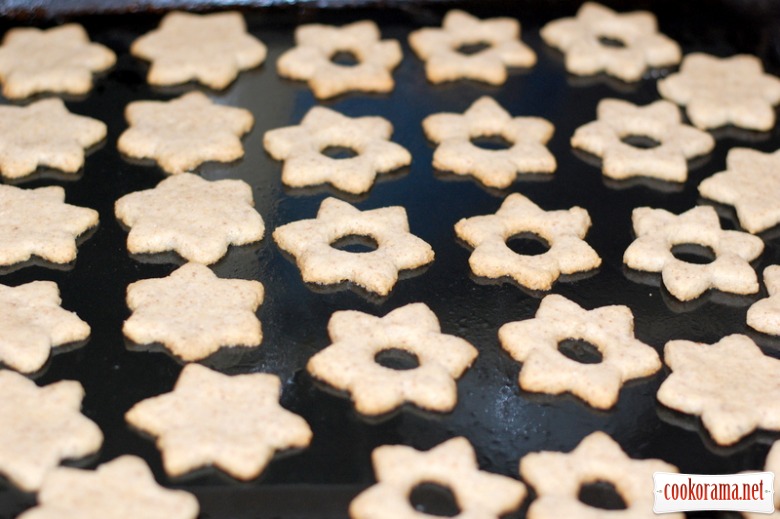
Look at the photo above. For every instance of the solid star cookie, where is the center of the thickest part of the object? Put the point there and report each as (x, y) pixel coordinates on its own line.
(731, 384)
(764, 315)
(60, 59)
(557, 478)
(610, 329)
(208, 48)
(40, 427)
(618, 120)
(720, 91)
(193, 313)
(192, 216)
(309, 241)
(498, 168)
(623, 45)
(564, 231)
(440, 48)
(751, 184)
(32, 322)
(234, 423)
(453, 464)
(350, 362)
(316, 46)
(658, 231)
(44, 133)
(185, 132)
(123, 488)
(301, 147)
(38, 222)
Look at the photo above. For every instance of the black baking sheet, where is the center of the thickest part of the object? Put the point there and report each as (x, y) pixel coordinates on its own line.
(502, 422)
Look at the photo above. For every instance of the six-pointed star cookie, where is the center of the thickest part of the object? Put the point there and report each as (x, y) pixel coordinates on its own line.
(194, 217)
(557, 478)
(610, 329)
(562, 230)
(453, 464)
(309, 241)
(40, 427)
(39, 222)
(498, 168)
(301, 148)
(658, 232)
(444, 61)
(751, 183)
(352, 364)
(764, 315)
(731, 384)
(660, 121)
(193, 313)
(623, 45)
(32, 322)
(123, 488)
(60, 59)
(317, 46)
(232, 422)
(185, 132)
(44, 133)
(720, 91)
(209, 48)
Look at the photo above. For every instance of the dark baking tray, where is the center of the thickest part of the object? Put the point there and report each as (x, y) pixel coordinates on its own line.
(502, 422)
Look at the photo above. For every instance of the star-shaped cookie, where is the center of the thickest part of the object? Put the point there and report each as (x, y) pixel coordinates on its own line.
(453, 464)
(38, 222)
(493, 167)
(564, 231)
(123, 488)
(720, 91)
(193, 313)
(349, 364)
(185, 132)
(439, 48)
(731, 384)
(658, 231)
(208, 48)
(316, 45)
(751, 183)
(534, 342)
(32, 322)
(558, 476)
(764, 315)
(194, 217)
(232, 422)
(60, 59)
(44, 133)
(40, 427)
(660, 121)
(309, 241)
(623, 45)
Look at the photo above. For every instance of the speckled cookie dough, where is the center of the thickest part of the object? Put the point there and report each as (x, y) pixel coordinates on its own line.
(764, 315)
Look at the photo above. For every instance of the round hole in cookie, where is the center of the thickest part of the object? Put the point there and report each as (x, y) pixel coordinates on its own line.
(345, 58)
(491, 142)
(580, 351)
(527, 244)
(469, 49)
(355, 243)
(693, 253)
(640, 141)
(397, 359)
(612, 42)
(339, 152)
(601, 494)
(434, 499)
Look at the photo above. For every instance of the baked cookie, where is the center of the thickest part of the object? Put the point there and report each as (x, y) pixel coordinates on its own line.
(563, 231)
(317, 45)
(658, 231)
(440, 48)
(764, 315)
(497, 168)
(194, 217)
(208, 48)
(301, 148)
(660, 121)
(60, 59)
(185, 132)
(310, 242)
(40, 427)
(193, 313)
(773, 466)
(399, 469)
(720, 91)
(352, 362)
